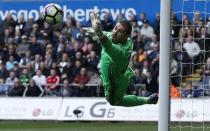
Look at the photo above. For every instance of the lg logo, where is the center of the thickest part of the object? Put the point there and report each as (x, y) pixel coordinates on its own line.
(98, 110)
(36, 112)
(39, 112)
(188, 114)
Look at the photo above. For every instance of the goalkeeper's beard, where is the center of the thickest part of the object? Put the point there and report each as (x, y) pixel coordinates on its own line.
(115, 39)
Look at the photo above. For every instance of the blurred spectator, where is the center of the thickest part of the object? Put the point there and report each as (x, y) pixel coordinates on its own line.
(157, 24)
(174, 67)
(198, 28)
(204, 86)
(86, 42)
(66, 90)
(20, 24)
(138, 43)
(120, 17)
(146, 31)
(187, 91)
(3, 87)
(39, 78)
(79, 57)
(8, 21)
(92, 61)
(82, 79)
(151, 84)
(192, 48)
(197, 17)
(35, 47)
(107, 23)
(153, 53)
(206, 68)
(36, 62)
(62, 50)
(94, 90)
(143, 17)
(10, 80)
(23, 47)
(25, 60)
(63, 62)
(48, 60)
(76, 47)
(6, 35)
(43, 40)
(142, 55)
(68, 70)
(50, 50)
(55, 66)
(78, 27)
(175, 79)
(175, 25)
(135, 27)
(49, 30)
(61, 43)
(24, 77)
(35, 30)
(182, 33)
(70, 27)
(135, 88)
(93, 77)
(154, 42)
(145, 67)
(17, 37)
(10, 50)
(10, 63)
(203, 39)
(52, 83)
(88, 48)
(44, 69)
(28, 26)
(155, 65)
(81, 35)
(208, 26)
(3, 71)
(174, 92)
(33, 90)
(134, 35)
(17, 89)
(134, 63)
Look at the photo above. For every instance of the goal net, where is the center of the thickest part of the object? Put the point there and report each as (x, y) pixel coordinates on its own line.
(190, 65)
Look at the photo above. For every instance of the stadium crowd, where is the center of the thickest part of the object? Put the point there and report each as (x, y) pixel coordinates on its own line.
(38, 59)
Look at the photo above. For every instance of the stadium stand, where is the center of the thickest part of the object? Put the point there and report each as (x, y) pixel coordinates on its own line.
(64, 61)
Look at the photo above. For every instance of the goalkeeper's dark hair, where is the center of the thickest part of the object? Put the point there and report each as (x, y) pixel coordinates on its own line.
(127, 25)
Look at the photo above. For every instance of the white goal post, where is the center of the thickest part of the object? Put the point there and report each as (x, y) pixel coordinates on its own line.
(164, 79)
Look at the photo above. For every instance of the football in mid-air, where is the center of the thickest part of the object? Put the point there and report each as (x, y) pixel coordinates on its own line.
(52, 13)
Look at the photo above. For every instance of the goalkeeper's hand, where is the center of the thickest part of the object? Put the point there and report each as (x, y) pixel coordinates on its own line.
(96, 23)
(91, 32)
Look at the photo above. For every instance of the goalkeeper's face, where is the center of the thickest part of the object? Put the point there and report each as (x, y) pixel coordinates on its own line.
(119, 33)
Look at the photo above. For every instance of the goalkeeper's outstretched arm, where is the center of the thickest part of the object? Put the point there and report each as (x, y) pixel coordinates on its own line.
(119, 35)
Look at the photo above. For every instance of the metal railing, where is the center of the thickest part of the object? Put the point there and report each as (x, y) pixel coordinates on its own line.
(5, 89)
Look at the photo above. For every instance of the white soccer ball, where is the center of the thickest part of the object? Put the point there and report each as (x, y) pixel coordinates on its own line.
(52, 13)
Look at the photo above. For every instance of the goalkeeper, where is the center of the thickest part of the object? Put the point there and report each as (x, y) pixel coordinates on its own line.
(115, 72)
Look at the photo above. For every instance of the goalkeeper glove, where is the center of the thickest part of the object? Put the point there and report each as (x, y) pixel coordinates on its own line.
(92, 33)
(95, 31)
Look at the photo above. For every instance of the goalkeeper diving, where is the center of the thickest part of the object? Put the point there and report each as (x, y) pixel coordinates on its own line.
(115, 56)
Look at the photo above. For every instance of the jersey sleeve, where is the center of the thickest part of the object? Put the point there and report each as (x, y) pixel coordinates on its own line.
(117, 51)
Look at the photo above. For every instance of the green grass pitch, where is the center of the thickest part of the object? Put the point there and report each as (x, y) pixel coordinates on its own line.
(94, 126)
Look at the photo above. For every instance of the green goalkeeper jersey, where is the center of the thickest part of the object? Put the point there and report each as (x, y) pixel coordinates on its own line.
(115, 72)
